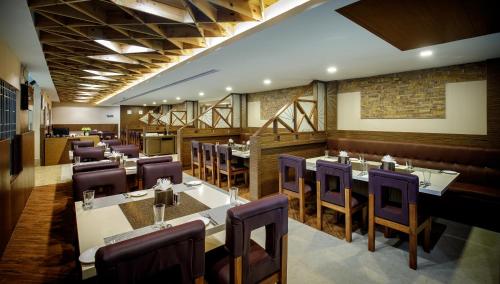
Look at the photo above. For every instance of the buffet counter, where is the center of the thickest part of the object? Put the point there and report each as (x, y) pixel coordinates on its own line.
(158, 145)
(56, 149)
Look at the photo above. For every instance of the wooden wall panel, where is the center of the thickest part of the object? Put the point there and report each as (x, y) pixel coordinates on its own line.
(15, 191)
(264, 152)
(5, 225)
(78, 127)
(131, 121)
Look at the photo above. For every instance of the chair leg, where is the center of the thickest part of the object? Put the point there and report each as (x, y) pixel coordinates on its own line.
(319, 213)
(427, 236)
(213, 175)
(229, 176)
(413, 250)
(364, 218)
(413, 236)
(302, 200)
(246, 178)
(348, 215)
(387, 232)
(371, 223)
(218, 178)
(192, 169)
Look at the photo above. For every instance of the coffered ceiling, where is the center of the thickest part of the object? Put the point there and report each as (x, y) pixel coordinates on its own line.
(95, 47)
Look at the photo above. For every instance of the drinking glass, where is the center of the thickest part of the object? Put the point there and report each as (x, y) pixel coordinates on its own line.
(159, 215)
(409, 165)
(77, 160)
(88, 199)
(427, 177)
(327, 154)
(233, 196)
(364, 167)
(177, 198)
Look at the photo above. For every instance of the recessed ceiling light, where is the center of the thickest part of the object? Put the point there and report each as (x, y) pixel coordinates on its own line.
(331, 69)
(114, 58)
(164, 101)
(154, 103)
(103, 73)
(229, 88)
(144, 104)
(91, 85)
(201, 94)
(178, 98)
(267, 82)
(101, 78)
(425, 53)
(122, 47)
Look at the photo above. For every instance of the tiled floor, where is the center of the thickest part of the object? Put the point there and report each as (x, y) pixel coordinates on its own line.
(40, 250)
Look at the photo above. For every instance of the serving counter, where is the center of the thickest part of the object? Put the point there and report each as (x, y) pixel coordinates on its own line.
(158, 145)
(56, 149)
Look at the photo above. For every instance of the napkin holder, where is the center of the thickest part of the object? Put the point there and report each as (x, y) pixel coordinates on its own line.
(344, 160)
(165, 196)
(388, 166)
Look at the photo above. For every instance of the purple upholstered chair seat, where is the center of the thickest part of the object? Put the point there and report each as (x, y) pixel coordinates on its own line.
(112, 142)
(219, 272)
(81, 144)
(356, 198)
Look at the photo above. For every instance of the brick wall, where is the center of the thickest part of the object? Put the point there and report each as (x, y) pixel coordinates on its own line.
(414, 94)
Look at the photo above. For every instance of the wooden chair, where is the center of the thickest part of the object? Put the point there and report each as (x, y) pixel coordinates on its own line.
(196, 158)
(295, 185)
(404, 218)
(225, 167)
(338, 196)
(209, 161)
(242, 260)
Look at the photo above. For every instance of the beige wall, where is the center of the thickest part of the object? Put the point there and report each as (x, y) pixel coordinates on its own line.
(465, 113)
(10, 67)
(83, 113)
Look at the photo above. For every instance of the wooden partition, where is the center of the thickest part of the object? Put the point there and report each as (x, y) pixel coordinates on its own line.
(209, 135)
(264, 153)
(78, 127)
(15, 190)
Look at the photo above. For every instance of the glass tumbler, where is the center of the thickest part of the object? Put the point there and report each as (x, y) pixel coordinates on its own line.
(77, 160)
(159, 215)
(233, 196)
(327, 153)
(427, 177)
(88, 199)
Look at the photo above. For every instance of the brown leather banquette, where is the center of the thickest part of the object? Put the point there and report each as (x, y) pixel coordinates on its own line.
(479, 168)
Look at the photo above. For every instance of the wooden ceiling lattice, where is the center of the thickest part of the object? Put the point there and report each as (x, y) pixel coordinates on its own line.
(84, 40)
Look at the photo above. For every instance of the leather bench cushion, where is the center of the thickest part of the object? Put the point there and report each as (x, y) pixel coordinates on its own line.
(478, 166)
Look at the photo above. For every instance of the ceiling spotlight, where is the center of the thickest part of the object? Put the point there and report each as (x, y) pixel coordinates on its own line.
(229, 88)
(201, 94)
(164, 101)
(154, 103)
(267, 82)
(178, 98)
(144, 105)
(425, 53)
(331, 69)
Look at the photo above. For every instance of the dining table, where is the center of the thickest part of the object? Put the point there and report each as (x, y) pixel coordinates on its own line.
(439, 179)
(244, 154)
(120, 217)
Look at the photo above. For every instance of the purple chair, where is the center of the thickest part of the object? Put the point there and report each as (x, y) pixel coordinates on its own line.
(95, 167)
(226, 167)
(152, 160)
(104, 182)
(209, 161)
(403, 217)
(292, 172)
(334, 191)
(132, 151)
(112, 142)
(172, 255)
(81, 144)
(152, 172)
(108, 135)
(87, 154)
(242, 260)
(196, 158)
